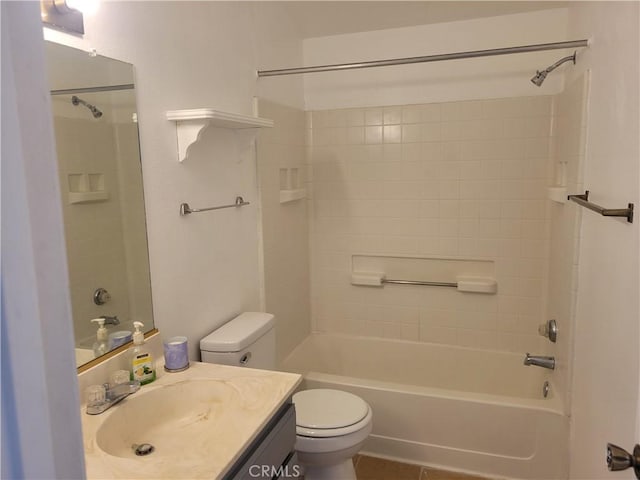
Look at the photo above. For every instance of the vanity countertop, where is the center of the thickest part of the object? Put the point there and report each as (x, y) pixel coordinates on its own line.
(257, 394)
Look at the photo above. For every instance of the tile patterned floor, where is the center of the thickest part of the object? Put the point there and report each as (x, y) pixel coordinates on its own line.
(372, 468)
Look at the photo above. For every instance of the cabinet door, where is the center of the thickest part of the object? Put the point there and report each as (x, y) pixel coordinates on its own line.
(290, 468)
(272, 450)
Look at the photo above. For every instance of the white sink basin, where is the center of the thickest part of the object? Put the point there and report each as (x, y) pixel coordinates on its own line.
(180, 420)
(199, 422)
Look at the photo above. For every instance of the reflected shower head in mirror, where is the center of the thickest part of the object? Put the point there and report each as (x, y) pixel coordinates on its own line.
(539, 77)
(94, 110)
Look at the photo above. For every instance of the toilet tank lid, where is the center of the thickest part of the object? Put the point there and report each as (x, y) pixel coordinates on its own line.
(238, 333)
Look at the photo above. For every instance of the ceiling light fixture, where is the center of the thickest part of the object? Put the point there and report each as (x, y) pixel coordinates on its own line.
(87, 7)
(67, 14)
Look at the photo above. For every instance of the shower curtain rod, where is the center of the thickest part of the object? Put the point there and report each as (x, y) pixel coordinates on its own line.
(108, 88)
(428, 58)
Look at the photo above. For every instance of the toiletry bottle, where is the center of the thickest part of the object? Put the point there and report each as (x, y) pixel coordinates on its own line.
(100, 347)
(142, 366)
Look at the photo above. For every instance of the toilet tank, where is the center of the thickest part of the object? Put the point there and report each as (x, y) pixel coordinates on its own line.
(248, 340)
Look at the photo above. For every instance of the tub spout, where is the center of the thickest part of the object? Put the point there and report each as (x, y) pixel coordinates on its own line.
(540, 361)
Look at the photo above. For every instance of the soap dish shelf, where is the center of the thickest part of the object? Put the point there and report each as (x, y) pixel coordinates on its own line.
(190, 124)
(287, 196)
(88, 197)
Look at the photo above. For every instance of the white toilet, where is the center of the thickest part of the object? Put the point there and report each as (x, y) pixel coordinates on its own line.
(331, 425)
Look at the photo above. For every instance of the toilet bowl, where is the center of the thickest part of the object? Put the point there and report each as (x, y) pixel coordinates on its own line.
(331, 427)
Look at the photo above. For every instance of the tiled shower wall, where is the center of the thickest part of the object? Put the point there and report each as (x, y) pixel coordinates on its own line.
(461, 180)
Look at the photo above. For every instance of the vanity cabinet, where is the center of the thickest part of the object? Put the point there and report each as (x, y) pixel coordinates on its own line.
(271, 455)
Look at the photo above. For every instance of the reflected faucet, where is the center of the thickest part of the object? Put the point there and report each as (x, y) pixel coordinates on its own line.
(540, 361)
(111, 320)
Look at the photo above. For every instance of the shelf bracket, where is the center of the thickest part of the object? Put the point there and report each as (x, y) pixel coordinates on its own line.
(190, 125)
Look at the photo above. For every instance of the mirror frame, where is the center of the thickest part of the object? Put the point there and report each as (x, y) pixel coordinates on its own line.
(112, 353)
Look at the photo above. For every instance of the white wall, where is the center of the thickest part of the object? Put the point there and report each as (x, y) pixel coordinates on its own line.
(204, 268)
(41, 431)
(277, 42)
(489, 77)
(605, 385)
(284, 225)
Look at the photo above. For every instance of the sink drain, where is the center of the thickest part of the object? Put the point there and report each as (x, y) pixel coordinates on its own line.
(143, 449)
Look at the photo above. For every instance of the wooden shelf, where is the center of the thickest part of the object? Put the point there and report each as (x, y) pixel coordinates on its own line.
(191, 123)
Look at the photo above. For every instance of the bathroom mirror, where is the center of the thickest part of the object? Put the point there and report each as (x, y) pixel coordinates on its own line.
(94, 115)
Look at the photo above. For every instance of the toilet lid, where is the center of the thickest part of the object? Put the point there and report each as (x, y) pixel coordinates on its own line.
(328, 409)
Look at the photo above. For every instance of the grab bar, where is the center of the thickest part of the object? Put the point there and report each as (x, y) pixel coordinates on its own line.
(464, 284)
(185, 209)
(583, 200)
(416, 282)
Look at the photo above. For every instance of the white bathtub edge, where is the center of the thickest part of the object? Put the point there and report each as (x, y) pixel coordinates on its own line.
(549, 405)
(378, 446)
(540, 456)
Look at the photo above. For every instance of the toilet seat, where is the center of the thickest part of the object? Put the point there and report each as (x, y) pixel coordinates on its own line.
(322, 413)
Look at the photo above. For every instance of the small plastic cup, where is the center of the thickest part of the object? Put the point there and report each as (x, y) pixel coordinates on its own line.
(176, 354)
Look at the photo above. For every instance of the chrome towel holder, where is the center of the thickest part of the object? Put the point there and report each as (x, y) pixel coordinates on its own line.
(185, 209)
(583, 200)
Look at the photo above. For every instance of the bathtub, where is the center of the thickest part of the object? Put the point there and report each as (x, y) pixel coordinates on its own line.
(455, 408)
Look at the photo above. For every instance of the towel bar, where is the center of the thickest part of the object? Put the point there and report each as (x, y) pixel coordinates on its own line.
(185, 209)
(583, 200)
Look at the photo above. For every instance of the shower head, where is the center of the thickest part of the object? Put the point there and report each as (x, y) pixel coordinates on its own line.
(539, 77)
(94, 110)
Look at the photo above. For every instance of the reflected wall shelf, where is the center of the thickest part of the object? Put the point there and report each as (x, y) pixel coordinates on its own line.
(190, 124)
(86, 188)
(88, 197)
(287, 196)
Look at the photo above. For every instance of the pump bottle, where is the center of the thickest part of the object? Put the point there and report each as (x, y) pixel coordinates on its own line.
(142, 366)
(100, 347)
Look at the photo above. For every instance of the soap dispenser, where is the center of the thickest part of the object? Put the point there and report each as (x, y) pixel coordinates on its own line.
(142, 366)
(100, 347)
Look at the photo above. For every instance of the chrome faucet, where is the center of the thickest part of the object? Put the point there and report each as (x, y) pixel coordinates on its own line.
(112, 395)
(111, 320)
(540, 361)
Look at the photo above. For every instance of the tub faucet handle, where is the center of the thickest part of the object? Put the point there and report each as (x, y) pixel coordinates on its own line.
(549, 330)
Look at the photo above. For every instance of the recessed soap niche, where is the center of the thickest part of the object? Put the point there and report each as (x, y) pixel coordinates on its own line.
(558, 191)
(290, 185)
(86, 188)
